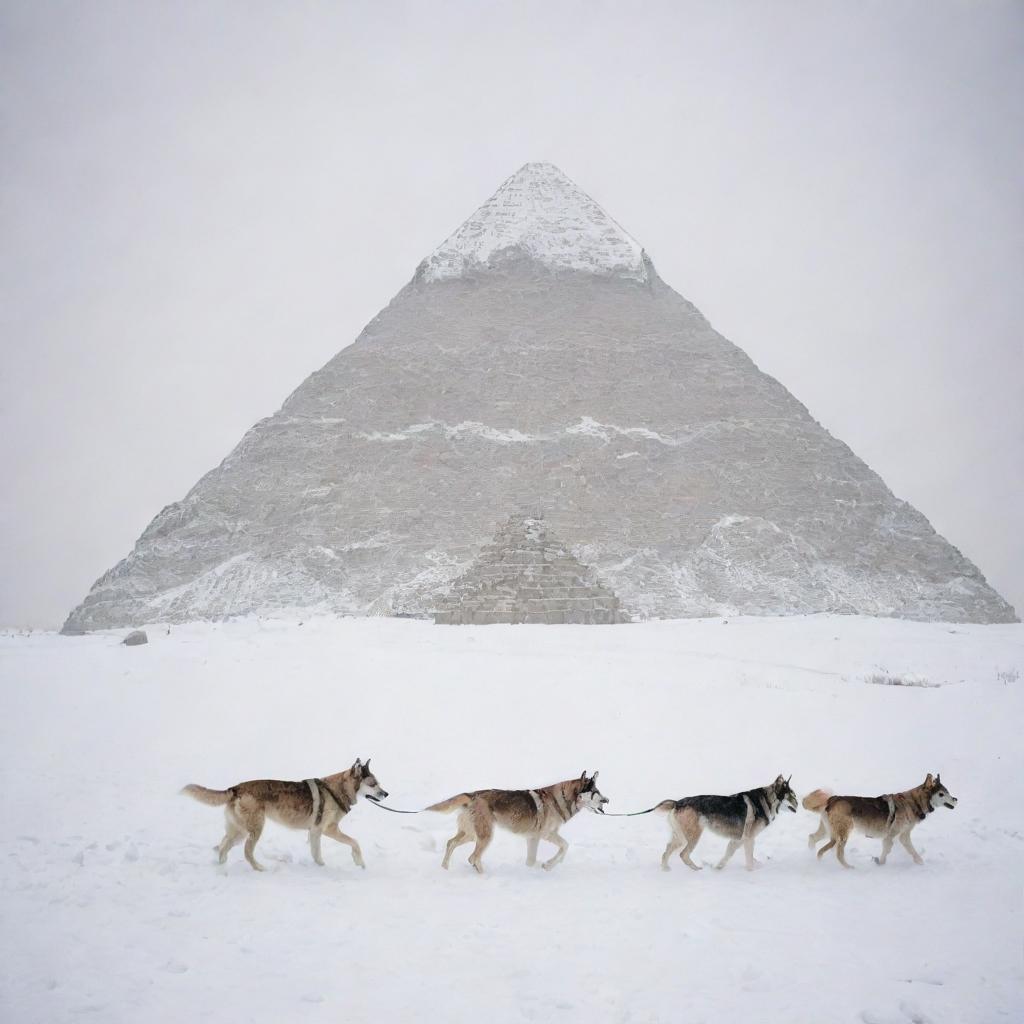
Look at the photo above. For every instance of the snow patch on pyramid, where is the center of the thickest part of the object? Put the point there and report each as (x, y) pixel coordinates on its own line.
(541, 213)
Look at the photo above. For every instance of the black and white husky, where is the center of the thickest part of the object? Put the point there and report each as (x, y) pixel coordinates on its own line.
(740, 818)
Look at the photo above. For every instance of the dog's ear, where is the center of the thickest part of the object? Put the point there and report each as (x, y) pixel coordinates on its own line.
(358, 766)
(583, 775)
(938, 779)
(928, 780)
(593, 778)
(366, 767)
(790, 777)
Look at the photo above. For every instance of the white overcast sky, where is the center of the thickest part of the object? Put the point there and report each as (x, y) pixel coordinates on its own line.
(203, 202)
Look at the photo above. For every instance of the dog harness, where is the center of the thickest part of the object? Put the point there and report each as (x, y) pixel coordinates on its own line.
(750, 817)
(537, 804)
(318, 789)
(318, 801)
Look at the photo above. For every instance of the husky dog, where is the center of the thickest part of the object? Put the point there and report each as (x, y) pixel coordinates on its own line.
(740, 818)
(535, 813)
(887, 817)
(314, 804)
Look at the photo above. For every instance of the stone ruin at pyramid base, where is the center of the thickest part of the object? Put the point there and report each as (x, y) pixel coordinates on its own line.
(524, 576)
(548, 612)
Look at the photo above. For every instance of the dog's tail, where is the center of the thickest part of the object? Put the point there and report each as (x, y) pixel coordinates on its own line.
(665, 806)
(213, 797)
(816, 801)
(452, 804)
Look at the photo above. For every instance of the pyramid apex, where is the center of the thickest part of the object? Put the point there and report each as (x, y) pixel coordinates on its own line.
(541, 213)
(542, 167)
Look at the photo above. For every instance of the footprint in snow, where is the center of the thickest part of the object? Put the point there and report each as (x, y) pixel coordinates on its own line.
(175, 967)
(914, 1014)
(907, 1012)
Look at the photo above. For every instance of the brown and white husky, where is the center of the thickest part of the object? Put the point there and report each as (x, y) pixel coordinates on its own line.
(316, 805)
(534, 813)
(889, 817)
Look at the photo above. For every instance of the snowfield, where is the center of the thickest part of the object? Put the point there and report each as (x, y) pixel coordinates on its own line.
(114, 910)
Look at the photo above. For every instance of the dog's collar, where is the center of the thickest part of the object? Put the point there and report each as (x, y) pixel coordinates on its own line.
(922, 814)
(565, 812)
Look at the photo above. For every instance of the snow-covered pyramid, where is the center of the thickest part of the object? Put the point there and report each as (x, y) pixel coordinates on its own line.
(536, 360)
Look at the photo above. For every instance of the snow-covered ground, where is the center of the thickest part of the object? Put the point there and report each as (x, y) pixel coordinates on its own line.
(113, 908)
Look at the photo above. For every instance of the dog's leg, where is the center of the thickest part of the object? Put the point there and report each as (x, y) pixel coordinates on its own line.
(673, 844)
(456, 840)
(748, 853)
(886, 847)
(336, 834)
(255, 831)
(734, 845)
(841, 840)
(531, 850)
(816, 837)
(554, 837)
(909, 847)
(232, 837)
(484, 833)
(828, 846)
(692, 831)
(314, 846)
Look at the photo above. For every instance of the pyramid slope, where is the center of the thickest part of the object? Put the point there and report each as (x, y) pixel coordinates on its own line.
(655, 449)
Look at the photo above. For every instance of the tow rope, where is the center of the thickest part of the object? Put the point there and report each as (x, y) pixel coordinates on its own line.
(604, 814)
(629, 814)
(393, 810)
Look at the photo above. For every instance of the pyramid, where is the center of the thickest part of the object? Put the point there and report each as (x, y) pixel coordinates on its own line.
(525, 575)
(537, 361)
